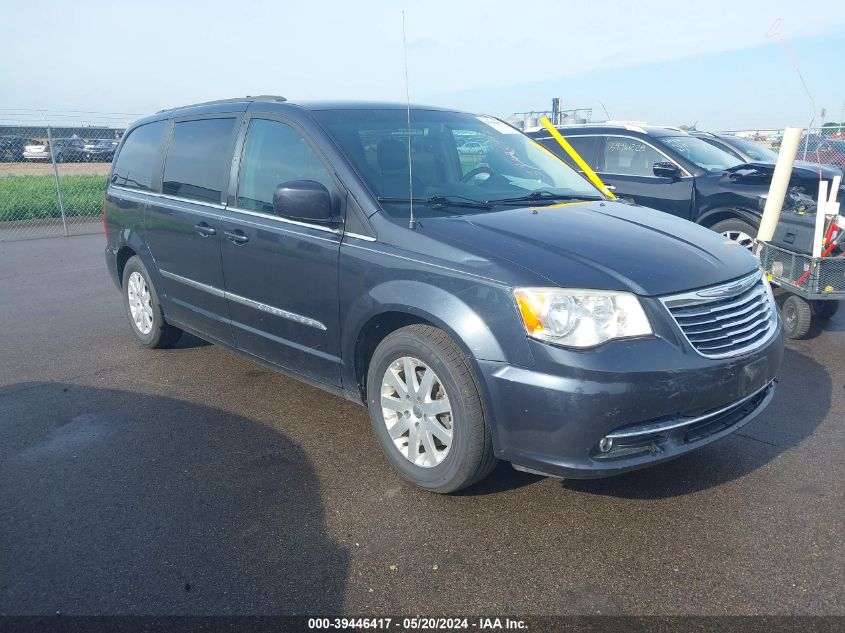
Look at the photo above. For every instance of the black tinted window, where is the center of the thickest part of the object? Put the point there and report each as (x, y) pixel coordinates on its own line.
(275, 153)
(198, 159)
(138, 159)
(584, 145)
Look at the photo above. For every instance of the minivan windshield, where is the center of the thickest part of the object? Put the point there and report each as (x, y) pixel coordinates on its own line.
(701, 153)
(460, 162)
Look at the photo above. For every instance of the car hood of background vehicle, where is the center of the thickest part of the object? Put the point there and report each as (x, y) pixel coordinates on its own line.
(760, 171)
(603, 245)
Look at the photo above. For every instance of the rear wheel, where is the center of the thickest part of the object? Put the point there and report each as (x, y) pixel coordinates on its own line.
(797, 317)
(736, 230)
(140, 301)
(426, 410)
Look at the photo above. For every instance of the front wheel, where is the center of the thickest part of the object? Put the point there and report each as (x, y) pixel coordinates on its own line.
(426, 410)
(736, 230)
(140, 301)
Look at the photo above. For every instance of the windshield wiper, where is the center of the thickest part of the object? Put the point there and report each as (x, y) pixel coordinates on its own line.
(441, 201)
(544, 196)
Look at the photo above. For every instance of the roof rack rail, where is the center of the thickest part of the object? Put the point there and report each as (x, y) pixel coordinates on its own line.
(625, 126)
(220, 101)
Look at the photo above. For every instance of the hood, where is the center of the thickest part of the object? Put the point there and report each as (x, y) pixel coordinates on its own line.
(602, 245)
(802, 173)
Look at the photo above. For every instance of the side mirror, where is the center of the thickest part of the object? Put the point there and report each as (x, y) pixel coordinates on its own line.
(304, 200)
(667, 169)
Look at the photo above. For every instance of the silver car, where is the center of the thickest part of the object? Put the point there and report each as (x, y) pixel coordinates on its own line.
(64, 149)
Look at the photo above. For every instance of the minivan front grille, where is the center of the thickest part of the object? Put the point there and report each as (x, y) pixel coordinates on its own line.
(726, 320)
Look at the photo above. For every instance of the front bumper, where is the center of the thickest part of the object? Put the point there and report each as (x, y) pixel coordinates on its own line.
(654, 399)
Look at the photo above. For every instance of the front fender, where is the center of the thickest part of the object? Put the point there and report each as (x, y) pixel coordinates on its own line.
(711, 216)
(480, 318)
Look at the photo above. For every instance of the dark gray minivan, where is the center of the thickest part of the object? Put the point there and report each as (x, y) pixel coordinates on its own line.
(483, 305)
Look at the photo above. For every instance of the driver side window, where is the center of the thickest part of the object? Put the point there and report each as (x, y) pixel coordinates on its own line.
(275, 153)
(630, 157)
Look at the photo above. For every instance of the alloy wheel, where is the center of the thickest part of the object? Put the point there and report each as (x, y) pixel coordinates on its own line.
(417, 412)
(741, 237)
(140, 302)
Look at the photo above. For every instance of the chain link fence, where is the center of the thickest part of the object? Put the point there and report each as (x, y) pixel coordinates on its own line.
(53, 169)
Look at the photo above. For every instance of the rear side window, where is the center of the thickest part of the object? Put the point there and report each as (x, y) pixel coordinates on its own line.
(138, 159)
(275, 153)
(586, 146)
(198, 159)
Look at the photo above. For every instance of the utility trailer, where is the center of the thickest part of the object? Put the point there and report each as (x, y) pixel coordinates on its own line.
(815, 286)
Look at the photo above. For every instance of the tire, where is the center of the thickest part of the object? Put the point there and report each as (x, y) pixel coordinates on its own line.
(150, 328)
(797, 317)
(468, 458)
(737, 230)
(824, 309)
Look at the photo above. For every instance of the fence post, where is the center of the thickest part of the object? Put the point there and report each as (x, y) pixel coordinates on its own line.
(56, 176)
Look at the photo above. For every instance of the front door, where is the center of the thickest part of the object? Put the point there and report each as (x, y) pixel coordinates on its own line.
(282, 275)
(627, 165)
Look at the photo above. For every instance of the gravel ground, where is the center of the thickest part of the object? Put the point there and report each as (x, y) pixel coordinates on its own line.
(46, 169)
(193, 481)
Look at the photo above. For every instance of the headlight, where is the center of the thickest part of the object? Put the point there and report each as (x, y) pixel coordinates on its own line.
(580, 318)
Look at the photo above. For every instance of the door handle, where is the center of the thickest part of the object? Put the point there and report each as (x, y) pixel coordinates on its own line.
(610, 187)
(205, 230)
(237, 237)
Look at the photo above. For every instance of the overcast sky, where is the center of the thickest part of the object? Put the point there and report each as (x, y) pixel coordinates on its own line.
(652, 60)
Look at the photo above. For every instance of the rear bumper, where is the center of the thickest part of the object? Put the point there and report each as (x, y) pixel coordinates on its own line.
(625, 406)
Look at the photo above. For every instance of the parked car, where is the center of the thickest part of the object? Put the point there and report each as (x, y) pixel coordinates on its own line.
(65, 150)
(99, 150)
(12, 147)
(503, 311)
(831, 152)
(751, 152)
(473, 148)
(827, 152)
(743, 149)
(672, 171)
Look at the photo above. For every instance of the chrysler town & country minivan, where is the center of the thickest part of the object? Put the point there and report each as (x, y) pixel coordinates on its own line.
(483, 306)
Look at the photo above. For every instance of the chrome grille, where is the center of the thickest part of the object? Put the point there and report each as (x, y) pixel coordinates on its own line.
(726, 320)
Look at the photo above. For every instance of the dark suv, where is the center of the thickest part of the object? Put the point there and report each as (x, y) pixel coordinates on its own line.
(482, 306)
(672, 171)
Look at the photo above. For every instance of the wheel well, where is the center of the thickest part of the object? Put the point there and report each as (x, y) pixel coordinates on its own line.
(727, 214)
(374, 332)
(123, 256)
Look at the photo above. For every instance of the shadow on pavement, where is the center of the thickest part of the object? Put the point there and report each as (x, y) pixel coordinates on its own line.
(503, 478)
(801, 403)
(114, 502)
(189, 341)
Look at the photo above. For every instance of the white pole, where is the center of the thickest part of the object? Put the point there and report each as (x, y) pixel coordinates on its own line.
(818, 235)
(780, 183)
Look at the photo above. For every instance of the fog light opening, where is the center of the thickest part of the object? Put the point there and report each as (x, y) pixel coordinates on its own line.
(605, 444)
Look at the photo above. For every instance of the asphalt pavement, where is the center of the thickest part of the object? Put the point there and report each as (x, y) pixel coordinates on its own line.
(193, 481)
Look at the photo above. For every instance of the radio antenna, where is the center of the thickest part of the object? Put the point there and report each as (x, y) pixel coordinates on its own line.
(412, 224)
